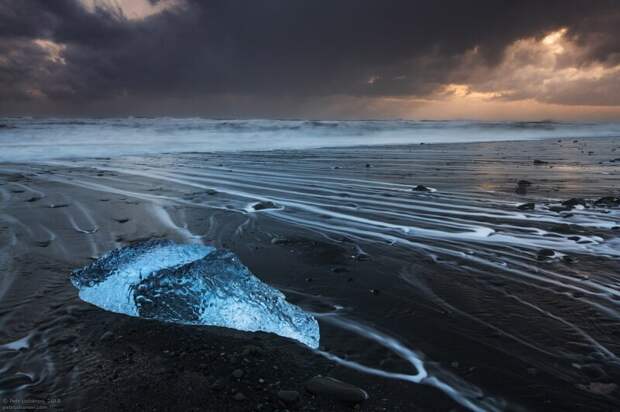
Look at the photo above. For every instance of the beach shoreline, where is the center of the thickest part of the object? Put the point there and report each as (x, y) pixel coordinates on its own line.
(405, 253)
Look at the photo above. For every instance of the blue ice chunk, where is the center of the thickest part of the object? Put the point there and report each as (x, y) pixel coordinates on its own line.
(191, 284)
(108, 281)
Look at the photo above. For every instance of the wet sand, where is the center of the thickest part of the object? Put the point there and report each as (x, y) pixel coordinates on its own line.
(437, 285)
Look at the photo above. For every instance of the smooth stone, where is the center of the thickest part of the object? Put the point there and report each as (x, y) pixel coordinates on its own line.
(252, 350)
(264, 205)
(288, 396)
(237, 373)
(558, 209)
(545, 254)
(574, 202)
(336, 389)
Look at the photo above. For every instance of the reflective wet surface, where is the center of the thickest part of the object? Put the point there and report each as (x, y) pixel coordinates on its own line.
(425, 265)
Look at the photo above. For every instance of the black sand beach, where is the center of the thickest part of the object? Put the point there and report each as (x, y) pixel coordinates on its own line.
(444, 277)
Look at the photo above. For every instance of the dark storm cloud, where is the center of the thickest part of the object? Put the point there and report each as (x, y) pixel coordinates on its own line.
(286, 48)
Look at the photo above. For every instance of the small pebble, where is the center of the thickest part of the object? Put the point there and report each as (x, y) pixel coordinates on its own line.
(336, 389)
(288, 396)
(237, 373)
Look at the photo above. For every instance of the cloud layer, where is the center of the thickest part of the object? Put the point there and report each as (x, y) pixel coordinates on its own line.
(283, 58)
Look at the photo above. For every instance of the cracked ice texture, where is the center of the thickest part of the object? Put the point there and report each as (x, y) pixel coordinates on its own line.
(191, 284)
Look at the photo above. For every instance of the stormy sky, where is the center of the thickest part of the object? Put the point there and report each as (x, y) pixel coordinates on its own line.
(487, 59)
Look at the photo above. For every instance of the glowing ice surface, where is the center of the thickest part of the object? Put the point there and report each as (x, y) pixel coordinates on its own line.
(191, 284)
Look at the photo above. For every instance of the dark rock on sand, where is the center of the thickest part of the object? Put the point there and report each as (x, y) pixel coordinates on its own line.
(288, 396)
(522, 186)
(264, 205)
(122, 220)
(569, 259)
(559, 209)
(421, 188)
(218, 385)
(252, 350)
(527, 206)
(540, 162)
(571, 203)
(594, 371)
(607, 201)
(545, 254)
(336, 389)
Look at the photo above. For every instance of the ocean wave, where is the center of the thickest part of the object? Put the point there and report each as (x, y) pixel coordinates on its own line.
(27, 139)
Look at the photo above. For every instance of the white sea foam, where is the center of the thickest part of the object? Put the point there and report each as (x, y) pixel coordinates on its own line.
(40, 139)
